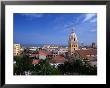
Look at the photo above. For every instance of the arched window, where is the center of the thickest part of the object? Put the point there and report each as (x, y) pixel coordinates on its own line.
(74, 39)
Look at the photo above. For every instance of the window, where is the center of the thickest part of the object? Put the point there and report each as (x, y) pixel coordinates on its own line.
(74, 39)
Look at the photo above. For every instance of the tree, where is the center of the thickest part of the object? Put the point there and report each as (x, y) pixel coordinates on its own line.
(61, 68)
(89, 70)
(23, 64)
(77, 66)
(66, 68)
(44, 68)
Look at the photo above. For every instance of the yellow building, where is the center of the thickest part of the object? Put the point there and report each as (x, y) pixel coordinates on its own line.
(16, 50)
(73, 43)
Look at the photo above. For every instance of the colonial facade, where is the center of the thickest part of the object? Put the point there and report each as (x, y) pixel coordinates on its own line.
(16, 50)
(73, 43)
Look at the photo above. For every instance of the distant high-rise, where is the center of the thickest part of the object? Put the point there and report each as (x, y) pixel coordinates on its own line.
(93, 45)
(73, 43)
(16, 50)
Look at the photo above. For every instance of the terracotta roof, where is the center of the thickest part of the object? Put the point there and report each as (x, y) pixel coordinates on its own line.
(84, 53)
(33, 55)
(58, 59)
(35, 61)
(42, 52)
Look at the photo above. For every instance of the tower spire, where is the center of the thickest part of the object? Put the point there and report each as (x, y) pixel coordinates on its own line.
(72, 30)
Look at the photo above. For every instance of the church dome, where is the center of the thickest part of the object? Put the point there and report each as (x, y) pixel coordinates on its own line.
(73, 36)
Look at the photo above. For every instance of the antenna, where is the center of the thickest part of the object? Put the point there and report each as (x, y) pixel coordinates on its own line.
(72, 30)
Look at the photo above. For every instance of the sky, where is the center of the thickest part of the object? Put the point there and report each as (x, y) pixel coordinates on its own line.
(54, 28)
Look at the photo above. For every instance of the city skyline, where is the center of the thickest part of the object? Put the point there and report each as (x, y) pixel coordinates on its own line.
(54, 28)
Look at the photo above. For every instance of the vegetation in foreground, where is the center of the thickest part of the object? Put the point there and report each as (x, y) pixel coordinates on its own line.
(75, 67)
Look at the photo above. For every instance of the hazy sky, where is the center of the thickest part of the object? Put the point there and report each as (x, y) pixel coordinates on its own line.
(54, 28)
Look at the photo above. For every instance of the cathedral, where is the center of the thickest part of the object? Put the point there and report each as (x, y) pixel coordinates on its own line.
(73, 43)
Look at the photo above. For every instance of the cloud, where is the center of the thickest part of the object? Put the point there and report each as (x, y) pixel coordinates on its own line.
(79, 19)
(58, 19)
(93, 20)
(33, 15)
(88, 17)
(69, 25)
(93, 30)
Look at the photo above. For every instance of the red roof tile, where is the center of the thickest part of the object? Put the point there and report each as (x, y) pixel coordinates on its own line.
(41, 52)
(33, 55)
(35, 61)
(58, 59)
(84, 53)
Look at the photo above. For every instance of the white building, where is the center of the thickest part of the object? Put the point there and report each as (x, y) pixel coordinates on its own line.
(32, 48)
(62, 51)
(17, 49)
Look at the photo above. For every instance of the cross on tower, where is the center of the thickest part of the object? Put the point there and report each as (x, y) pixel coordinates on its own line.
(72, 30)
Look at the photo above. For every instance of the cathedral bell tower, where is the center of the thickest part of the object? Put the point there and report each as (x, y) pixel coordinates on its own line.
(73, 43)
